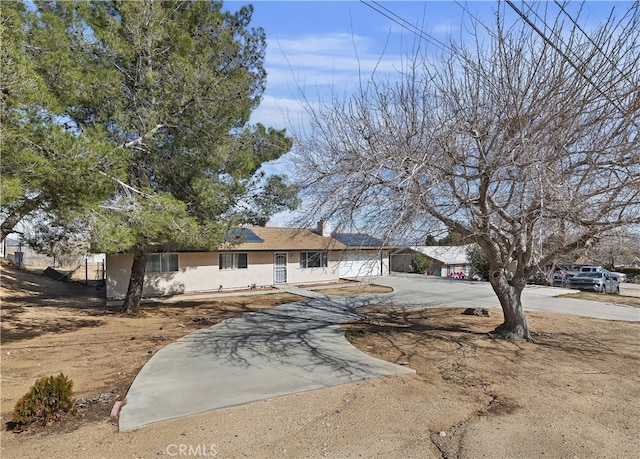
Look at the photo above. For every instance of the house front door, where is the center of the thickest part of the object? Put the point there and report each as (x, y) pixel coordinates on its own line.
(280, 264)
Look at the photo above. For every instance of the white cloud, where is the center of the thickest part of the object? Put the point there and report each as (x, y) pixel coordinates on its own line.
(333, 59)
(312, 66)
(444, 29)
(278, 112)
(328, 43)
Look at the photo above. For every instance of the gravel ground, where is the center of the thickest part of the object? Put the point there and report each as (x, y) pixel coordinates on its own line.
(572, 394)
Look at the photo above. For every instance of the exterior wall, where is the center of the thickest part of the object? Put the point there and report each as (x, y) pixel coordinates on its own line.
(402, 263)
(298, 275)
(200, 272)
(118, 268)
(386, 263)
(449, 269)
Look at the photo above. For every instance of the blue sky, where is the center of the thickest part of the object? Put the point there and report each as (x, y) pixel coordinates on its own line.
(317, 46)
(314, 46)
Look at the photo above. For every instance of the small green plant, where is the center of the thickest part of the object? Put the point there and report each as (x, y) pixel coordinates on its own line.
(48, 400)
(354, 334)
(421, 263)
(479, 261)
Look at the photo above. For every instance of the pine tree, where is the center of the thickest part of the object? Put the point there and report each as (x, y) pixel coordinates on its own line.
(170, 87)
(46, 166)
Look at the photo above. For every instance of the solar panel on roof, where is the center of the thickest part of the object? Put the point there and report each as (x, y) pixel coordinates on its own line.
(358, 239)
(243, 235)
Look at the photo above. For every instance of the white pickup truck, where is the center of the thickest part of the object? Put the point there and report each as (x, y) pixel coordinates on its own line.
(620, 277)
(595, 279)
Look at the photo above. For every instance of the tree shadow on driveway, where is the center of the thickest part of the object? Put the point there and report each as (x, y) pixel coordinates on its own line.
(304, 337)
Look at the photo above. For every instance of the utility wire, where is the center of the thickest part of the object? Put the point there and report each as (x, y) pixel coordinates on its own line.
(559, 39)
(563, 54)
(556, 35)
(466, 9)
(427, 37)
(378, 8)
(562, 8)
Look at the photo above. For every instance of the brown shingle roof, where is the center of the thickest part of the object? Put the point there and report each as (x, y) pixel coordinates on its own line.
(288, 239)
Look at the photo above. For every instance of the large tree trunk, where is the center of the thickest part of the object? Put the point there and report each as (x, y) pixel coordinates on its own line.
(136, 282)
(514, 326)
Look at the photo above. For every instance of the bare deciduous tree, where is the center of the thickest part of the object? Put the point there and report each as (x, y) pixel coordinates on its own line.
(526, 144)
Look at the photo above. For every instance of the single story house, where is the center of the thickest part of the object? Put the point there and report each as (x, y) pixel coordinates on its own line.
(446, 259)
(265, 257)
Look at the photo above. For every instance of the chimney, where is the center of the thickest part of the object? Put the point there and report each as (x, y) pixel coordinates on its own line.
(324, 228)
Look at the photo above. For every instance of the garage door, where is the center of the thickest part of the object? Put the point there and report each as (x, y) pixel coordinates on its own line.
(359, 266)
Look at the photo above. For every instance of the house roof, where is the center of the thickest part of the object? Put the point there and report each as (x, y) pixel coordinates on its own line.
(242, 235)
(258, 238)
(264, 238)
(447, 254)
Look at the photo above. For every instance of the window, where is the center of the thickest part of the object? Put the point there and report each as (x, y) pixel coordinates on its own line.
(162, 262)
(233, 260)
(313, 259)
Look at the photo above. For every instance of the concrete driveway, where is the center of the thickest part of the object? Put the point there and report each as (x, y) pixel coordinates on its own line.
(417, 290)
(299, 347)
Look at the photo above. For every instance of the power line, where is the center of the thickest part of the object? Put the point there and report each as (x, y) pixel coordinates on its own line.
(577, 26)
(466, 9)
(429, 38)
(386, 12)
(562, 8)
(562, 53)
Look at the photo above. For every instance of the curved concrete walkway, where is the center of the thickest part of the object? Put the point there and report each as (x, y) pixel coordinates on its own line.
(288, 349)
(299, 347)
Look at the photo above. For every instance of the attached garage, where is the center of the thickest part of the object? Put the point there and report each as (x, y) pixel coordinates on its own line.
(365, 256)
(358, 265)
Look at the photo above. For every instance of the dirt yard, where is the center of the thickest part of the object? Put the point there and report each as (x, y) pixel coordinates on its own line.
(573, 394)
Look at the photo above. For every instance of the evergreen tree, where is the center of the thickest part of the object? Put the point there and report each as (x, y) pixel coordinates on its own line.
(172, 86)
(46, 166)
(479, 262)
(431, 240)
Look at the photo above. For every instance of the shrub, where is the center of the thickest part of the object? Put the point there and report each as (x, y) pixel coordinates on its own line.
(421, 263)
(48, 400)
(479, 261)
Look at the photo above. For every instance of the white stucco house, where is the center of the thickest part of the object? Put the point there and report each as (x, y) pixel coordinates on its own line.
(265, 257)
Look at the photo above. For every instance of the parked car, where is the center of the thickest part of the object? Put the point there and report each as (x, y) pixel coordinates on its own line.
(601, 282)
(561, 278)
(621, 277)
